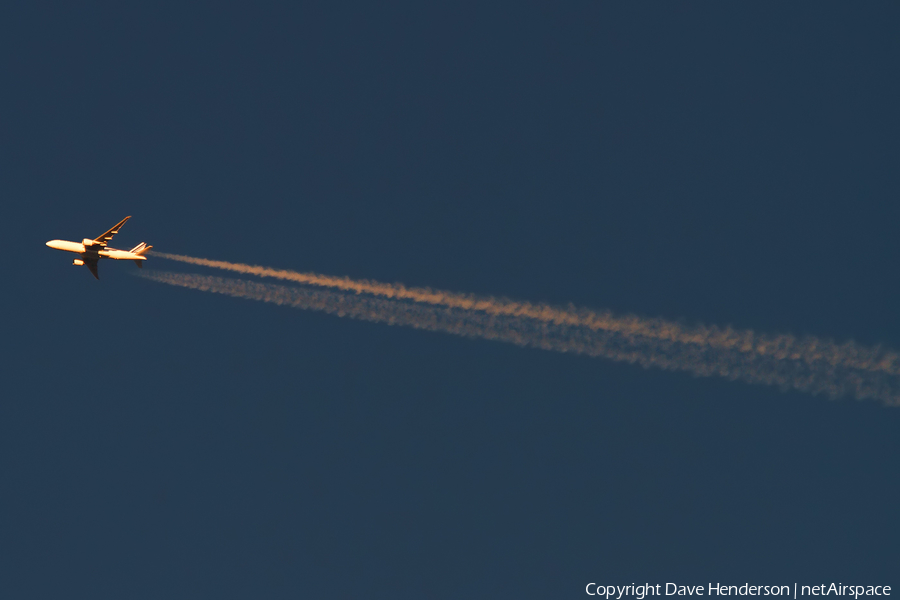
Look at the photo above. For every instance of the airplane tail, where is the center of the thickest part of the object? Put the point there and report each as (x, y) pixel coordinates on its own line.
(140, 250)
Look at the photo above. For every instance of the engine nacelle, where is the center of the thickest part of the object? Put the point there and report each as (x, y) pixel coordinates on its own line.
(78, 262)
(88, 242)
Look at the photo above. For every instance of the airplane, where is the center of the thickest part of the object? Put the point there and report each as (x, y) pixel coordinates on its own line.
(91, 251)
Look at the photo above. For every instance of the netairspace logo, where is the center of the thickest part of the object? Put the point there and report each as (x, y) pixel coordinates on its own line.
(639, 592)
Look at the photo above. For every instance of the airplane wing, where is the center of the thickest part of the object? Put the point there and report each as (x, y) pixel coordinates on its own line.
(92, 265)
(104, 239)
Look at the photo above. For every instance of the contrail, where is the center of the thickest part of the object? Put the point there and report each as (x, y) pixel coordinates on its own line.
(808, 349)
(807, 364)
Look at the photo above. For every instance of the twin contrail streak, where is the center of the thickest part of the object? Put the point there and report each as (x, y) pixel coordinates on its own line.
(808, 364)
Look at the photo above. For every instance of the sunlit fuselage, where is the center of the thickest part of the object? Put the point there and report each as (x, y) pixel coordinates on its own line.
(93, 251)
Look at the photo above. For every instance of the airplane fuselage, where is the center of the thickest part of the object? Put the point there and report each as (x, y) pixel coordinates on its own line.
(91, 251)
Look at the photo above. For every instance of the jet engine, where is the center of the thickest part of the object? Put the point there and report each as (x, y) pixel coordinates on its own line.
(88, 242)
(78, 262)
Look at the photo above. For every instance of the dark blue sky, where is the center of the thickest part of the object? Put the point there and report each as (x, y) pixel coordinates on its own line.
(726, 164)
